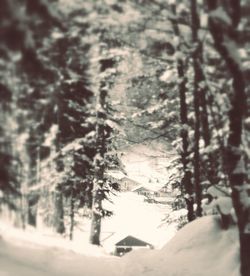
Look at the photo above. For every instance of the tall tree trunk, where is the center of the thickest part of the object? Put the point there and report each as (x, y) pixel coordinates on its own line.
(58, 197)
(197, 92)
(186, 180)
(99, 170)
(235, 158)
(59, 213)
(205, 129)
(204, 118)
(206, 134)
(72, 216)
(96, 217)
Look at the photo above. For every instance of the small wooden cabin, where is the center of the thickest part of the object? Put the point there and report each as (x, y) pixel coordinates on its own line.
(130, 243)
(141, 190)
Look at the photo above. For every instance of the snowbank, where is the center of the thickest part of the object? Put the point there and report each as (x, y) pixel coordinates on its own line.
(40, 261)
(201, 248)
(48, 239)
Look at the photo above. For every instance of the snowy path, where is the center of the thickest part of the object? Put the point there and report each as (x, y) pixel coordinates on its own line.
(12, 267)
(201, 248)
(33, 260)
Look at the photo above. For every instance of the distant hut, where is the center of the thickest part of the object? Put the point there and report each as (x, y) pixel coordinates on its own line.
(142, 190)
(126, 183)
(130, 243)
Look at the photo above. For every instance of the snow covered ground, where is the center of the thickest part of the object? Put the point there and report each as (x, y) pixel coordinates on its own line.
(132, 216)
(201, 248)
(30, 259)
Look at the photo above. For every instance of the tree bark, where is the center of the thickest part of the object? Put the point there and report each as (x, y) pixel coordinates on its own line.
(96, 220)
(235, 158)
(58, 197)
(99, 170)
(72, 216)
(210, 164)
(186, 180)
(59, 213)
(197, 94)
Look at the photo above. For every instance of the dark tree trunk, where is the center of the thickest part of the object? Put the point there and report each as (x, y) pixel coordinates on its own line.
(58, 197)
(59, 213)
(72, 217)
(205, 129)
(186, 180)
(234, 155)
(198, 77)
(99, 170)
(204, 118)
(96, 224)
(210, 166)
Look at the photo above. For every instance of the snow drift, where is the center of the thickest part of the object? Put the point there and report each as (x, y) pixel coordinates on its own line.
(201, 248)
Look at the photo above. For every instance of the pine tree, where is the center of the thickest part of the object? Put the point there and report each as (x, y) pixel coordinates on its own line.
(74, 117)
(225, 34)
(18, 48)
(104, 159)
(187, 175)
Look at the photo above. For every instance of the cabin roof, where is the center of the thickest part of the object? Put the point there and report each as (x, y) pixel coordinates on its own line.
(132, 241)
(140, 188)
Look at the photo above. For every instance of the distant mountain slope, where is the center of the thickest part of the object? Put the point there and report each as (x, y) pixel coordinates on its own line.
(147, 163)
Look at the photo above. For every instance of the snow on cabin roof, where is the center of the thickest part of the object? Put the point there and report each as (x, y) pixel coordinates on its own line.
(123, 239)
(130, 179)
(116, 174)
(132, 241)
(157, 238)
(149, 187)
(140, 187)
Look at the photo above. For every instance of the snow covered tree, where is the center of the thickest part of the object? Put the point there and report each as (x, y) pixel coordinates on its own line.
(182, 75)
(197, 95)
(20, 38)
(223, 24)
(105, 157)
(72, 111)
